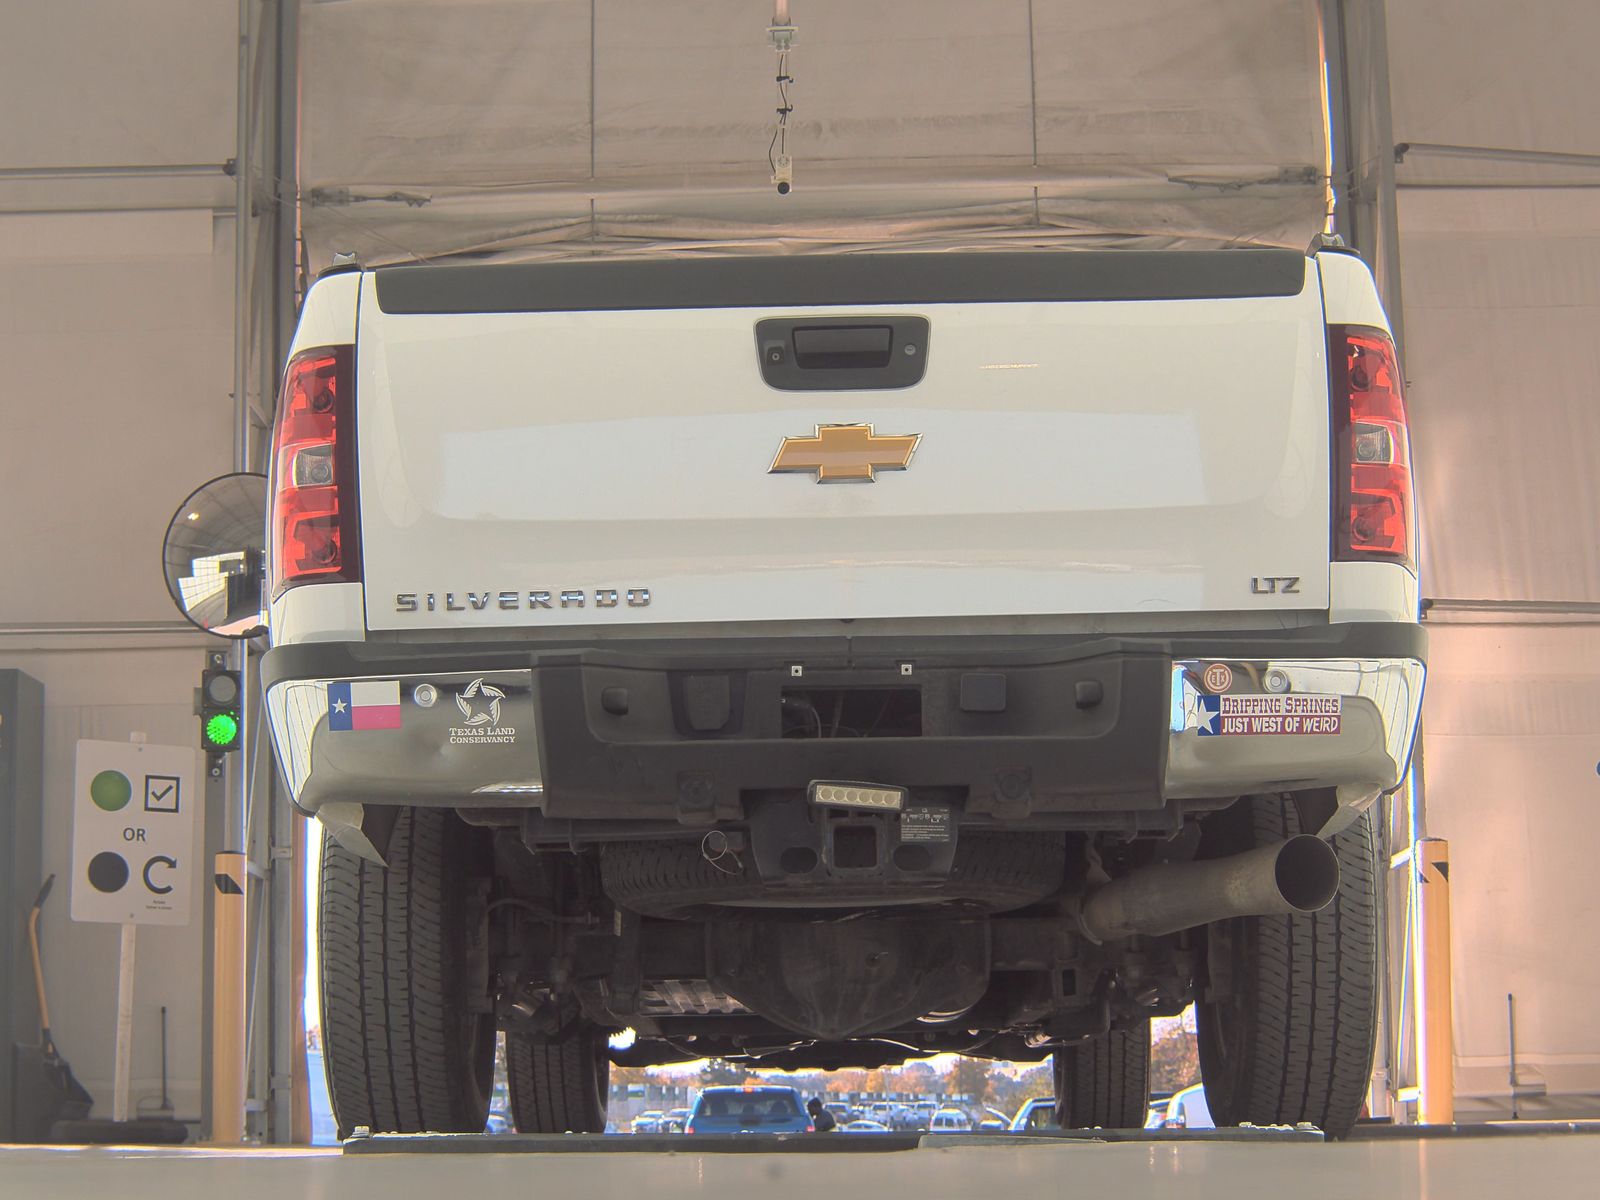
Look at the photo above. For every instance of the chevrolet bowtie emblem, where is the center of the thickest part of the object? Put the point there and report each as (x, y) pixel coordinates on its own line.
(845, 453)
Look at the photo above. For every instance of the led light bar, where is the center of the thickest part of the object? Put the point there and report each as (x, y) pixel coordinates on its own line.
(841, 794)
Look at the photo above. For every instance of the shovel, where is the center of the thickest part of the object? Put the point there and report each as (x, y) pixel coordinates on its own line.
(46, 1087)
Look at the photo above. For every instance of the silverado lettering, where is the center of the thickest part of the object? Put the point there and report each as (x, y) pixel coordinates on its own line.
(411, 602)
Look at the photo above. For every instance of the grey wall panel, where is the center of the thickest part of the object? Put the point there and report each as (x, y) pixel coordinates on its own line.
(113, 404)
(1487, 73)
(105, 82)
(1504, 370)
(1513, 722)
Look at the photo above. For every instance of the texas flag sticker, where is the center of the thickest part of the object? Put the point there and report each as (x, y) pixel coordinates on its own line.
(365, 704)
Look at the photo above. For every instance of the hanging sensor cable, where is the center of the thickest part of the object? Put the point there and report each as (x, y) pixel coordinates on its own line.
(781, 34)
(778, 149)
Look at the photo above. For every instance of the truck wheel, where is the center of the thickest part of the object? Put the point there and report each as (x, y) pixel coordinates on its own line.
(1104, 1081)
(559, 1085)
(404, 1051)
(1288, 1036)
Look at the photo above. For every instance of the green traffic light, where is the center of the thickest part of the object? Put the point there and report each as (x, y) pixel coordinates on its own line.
(222, 731)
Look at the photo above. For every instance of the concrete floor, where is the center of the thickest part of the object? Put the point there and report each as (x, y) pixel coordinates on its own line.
(1563, 1167)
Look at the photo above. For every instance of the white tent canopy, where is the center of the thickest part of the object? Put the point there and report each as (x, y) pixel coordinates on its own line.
(563, 127)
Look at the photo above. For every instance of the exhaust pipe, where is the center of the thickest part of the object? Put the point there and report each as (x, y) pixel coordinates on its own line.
(1299, 875)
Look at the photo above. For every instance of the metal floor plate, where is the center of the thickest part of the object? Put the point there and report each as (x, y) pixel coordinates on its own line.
(799, 1143)
(1558, 1166)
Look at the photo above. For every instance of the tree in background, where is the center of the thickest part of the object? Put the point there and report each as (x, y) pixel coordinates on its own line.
(1037, 1083)
(719, 1072)
(1174, 1058)
(634, 1076)
(970, 1078)
(847, 1083)
(1010, 1093)
(918, 1078)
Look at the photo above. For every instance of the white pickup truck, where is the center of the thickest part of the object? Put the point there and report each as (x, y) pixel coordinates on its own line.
(826, 661)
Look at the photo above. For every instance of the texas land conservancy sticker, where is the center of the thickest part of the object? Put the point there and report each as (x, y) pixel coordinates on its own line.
(479, 705)
(1281, 716)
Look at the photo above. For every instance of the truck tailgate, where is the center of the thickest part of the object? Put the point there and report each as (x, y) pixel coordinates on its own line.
(1077, 455)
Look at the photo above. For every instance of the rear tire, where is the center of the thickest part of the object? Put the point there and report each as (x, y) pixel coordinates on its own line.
(403, 1051)
(1104, 1081)
(1289, 1034)
(559, 1085)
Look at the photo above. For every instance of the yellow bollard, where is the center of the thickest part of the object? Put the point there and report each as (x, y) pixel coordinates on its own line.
(228, 1001)
(1436, 1104)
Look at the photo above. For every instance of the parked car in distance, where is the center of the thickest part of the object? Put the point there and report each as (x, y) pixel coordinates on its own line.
(1188, 1110)
(1156, 1115)
(648, 1122)
(842, 1112)
(674, 1121)
(950, 1120)
(1036, 1114)
(497, 1123)
(908, 1118)
(749, 1110)
(864, 1126)
(992, 1125)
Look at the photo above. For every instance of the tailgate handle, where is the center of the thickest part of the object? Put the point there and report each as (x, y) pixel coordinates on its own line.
(842, 352)
(841, 347)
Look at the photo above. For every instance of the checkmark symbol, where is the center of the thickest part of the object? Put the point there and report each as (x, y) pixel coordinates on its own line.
(161, 793)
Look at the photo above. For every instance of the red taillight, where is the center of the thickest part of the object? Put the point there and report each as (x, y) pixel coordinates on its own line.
(1374, 512)
(315, 538)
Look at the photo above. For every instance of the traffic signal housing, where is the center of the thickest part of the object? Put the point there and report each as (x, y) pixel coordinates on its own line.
(221, 719)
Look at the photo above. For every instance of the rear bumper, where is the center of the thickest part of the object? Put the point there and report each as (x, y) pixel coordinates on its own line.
(1015, 728)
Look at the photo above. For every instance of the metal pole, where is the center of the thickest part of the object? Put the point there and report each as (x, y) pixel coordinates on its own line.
(241, 250)
(126, 961)
(1388, 263)
(1348, 219)
(231, 877)
(299, 1069)
(1435, 1057)
(1511, 1046)
(1355, 41)
(1495, 154)
(1383, 1070)
(289, 1112)
(215, 799)
(117, 171)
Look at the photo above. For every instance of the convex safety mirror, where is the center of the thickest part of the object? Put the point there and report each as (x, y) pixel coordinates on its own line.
(214, 555)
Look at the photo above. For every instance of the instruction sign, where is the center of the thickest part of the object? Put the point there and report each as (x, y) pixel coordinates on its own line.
(133, 823)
